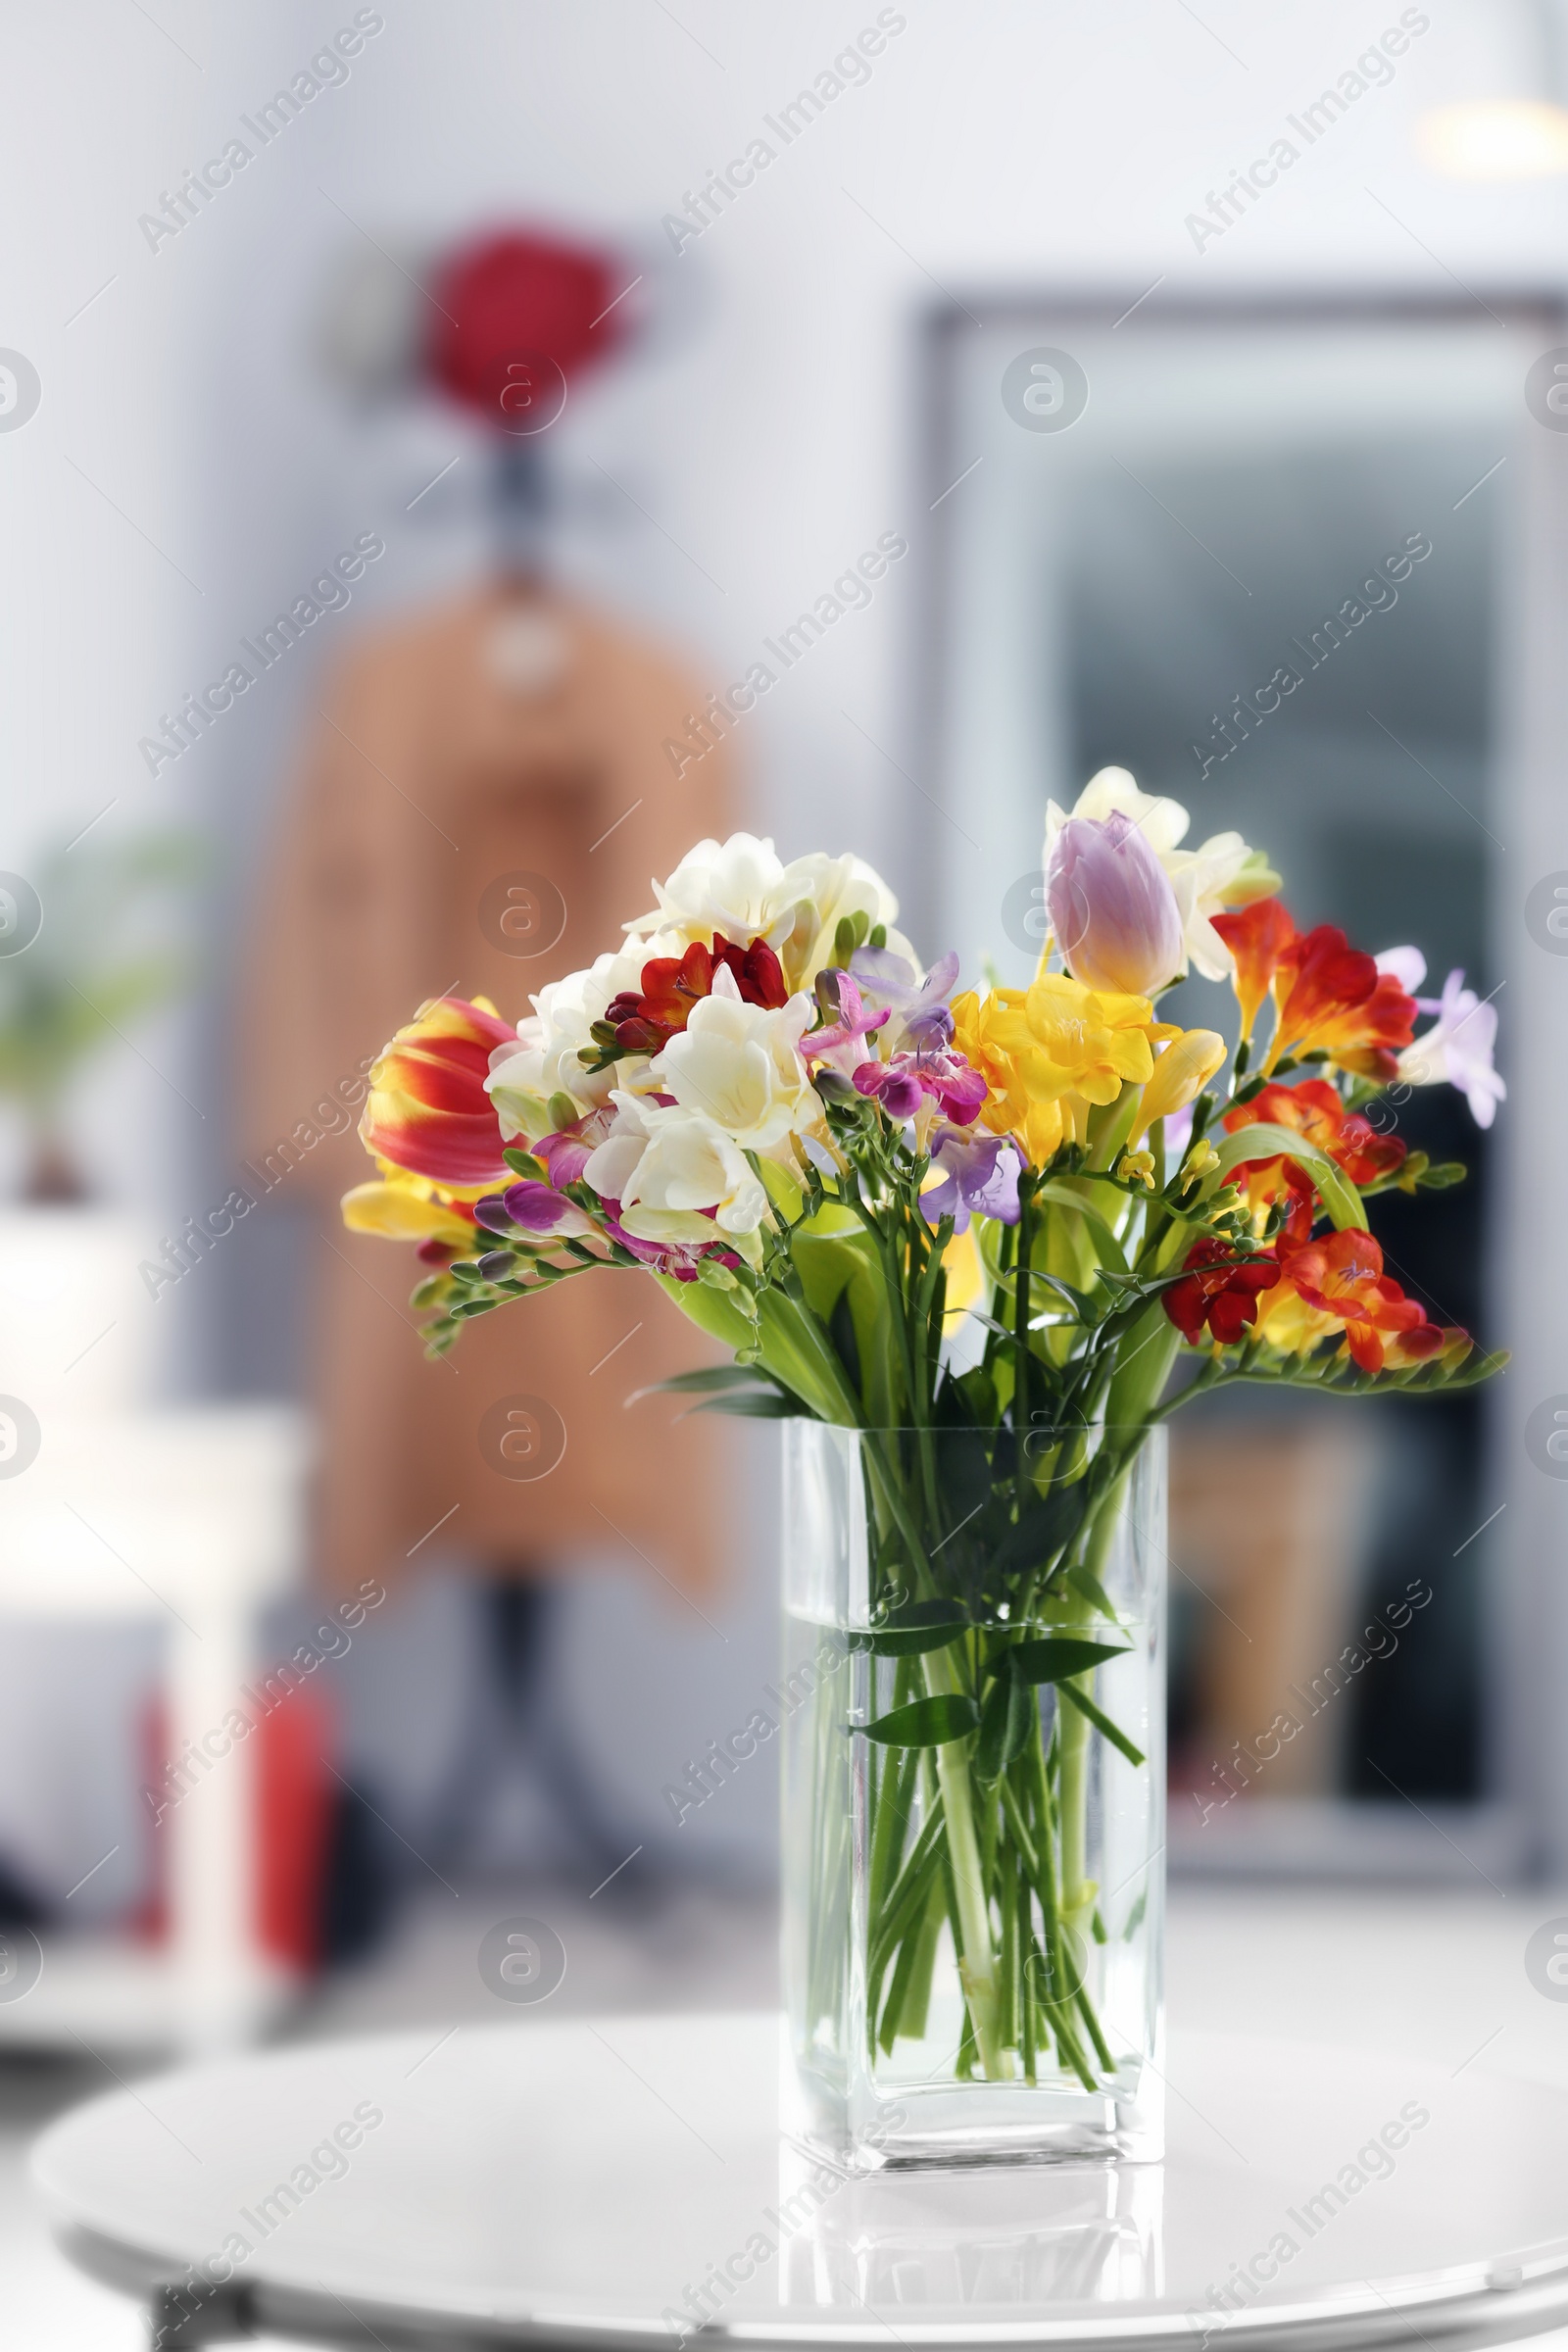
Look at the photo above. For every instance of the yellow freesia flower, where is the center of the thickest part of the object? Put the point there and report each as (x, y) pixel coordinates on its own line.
(1181, 1073)
(1052, 1052)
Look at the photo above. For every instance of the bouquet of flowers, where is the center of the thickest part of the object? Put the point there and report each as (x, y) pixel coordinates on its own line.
(1003, 1233)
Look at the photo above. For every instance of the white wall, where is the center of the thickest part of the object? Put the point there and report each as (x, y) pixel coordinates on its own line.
(770, 439)
(770, 435)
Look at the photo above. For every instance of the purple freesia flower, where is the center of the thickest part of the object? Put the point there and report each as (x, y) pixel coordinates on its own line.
(923, 1015)
(899, 1085)
(532, 1207)
(492, 1214)
(537, 1208)
(1112, 908)
(1458, 1048)
(979, 1177)
(897, 1089)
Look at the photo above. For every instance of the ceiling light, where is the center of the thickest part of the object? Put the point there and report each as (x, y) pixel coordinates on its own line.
(1496, 138)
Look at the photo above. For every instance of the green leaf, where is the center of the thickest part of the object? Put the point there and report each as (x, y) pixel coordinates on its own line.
(523, 1163)
(705, 1376)
(1005, 1721)
(837, 1262)
(755, 1405)
(1042, 1528)
(1088, 1587)
(910, 1631)
(926, 1721)
(1083, 1306)
(1102, 1723)
(1060, 1191)
(1054, 1656)
(712, 1311)
(1265, 1140)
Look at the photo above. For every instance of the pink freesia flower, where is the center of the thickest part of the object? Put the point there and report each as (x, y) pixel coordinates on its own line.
(566, 1155)
(839, 1042)
(678, 1259)
(1112, 907)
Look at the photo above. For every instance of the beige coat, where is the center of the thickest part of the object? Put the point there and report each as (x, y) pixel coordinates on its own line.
(507, 733)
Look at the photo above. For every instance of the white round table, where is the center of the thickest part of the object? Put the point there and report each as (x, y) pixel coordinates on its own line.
(618, 2183)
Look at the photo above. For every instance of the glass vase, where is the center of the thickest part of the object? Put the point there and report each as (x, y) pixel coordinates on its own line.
(973, 1788)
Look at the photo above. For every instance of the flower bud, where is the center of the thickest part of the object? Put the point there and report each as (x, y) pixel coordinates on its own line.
(1112, 907)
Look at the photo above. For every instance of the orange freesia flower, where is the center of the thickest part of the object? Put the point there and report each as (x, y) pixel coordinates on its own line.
(1328, 996)
(1338, 1284)
(1257, 936)
(1315, 1112)
(428, 1109)
(1332, 997)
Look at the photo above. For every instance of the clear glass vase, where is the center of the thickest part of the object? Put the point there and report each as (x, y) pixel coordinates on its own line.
(974, 1777)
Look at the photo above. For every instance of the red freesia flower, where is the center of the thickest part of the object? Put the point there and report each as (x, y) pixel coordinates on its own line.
(1315, 1112)
(1218, 1289)
(645, 1019)
(428, 1109)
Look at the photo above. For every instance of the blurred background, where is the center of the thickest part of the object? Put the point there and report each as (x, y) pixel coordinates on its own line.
(436, 450)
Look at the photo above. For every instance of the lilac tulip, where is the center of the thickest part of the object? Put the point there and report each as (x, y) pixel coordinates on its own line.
(1112, 908)
(980, 1177)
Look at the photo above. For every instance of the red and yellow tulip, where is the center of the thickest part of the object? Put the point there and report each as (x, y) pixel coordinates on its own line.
(428, 1109)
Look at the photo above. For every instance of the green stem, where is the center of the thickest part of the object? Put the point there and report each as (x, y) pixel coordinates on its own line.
(894, 1799)
(1037, 1864)
(976, 1957)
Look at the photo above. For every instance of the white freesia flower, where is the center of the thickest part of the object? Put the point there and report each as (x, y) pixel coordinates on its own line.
(1407, 965)
(1223, 872)
(666, 1165)
(743, 889)
(547, 1058)
(740, 1066)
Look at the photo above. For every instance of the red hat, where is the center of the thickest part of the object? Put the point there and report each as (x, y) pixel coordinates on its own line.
(512, 298)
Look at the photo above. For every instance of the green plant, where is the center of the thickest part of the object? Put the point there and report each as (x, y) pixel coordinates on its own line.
(89, 972)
